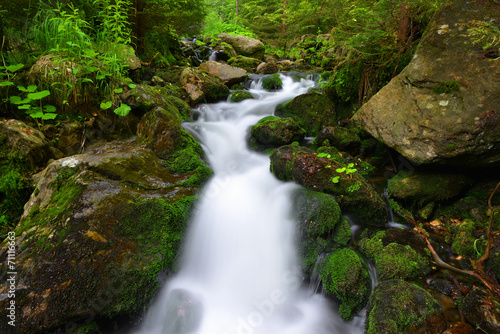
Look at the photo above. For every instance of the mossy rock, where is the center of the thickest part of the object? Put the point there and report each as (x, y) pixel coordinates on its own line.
(317, 213)
(241, 95)
(272, 82)
(345, 277)
(482, 309)
(467, 239)
(146, 98)
(427, 187)
(200, 87)
(274, 131)
(99, 228)
(353, 192)
(312, 111)
(341, 138)
(397, 306)
(343, 233)
(393, 259)
(247, 63)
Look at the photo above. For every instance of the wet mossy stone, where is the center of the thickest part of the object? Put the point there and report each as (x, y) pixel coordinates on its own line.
(240, 95)
(343, 233)
(353, 192)
(396, 306)
(145, 97)
(274, 131)
(467, 241)
(272, 82)
(393, 259)
(482, 309)
(345, 277)
(99, 228)
(427, 186)
(247, 63)
(312, 111)
(341, 138)
(200, 87)
(316, 212)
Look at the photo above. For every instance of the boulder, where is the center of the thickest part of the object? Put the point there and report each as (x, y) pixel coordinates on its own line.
(247, 63)
(268, 68)
(272, 82)
(319, 172)
(201, 87)
(397, 306)
(227, 74)
(312, 111)
(245, 46)
(145, 97)
(240, 95)
(26, 141)
(274, 131)
(480, 308)
(443, 107)
(94, 237)
(345, 278)
(341, 138)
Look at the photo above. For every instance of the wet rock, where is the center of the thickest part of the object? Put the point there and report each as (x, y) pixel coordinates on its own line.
(345, 277)
(187, 310)
(145, 97)
(397, 306)
(352, 192)
(245, 46)
(481, 308)
(247, 63)
(202, 87)
(443, 107)
(227, 74)
(240, 95)
(341, 138)
(274, 131)
(317, 213)
(272, 82)
(27, 141)
(70, 138)
(95, 235)
(312, 111)
(343, 233)
(461, 328)
(397, 254)
(267, 68)
(427, 187)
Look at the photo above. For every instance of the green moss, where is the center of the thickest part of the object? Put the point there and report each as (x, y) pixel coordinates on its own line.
(394, 260)
(272, 82)
(88, 328)
(395, 306)
(345, 277)
(310, 250)
(446, 87)
(276, 131)
(240, 95)
(343, 232)
(465, 240)
(451, 147)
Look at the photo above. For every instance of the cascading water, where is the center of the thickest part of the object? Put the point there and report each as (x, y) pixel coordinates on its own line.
(240, 272)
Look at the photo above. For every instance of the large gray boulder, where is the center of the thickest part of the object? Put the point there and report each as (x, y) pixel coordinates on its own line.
(245, 46)
(201, 87)
(443, 107)
(227, 74)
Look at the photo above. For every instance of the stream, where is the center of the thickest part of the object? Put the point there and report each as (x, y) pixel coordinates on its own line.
(240, 271)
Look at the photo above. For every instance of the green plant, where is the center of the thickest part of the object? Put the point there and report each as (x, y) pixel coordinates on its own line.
(483, 33)
(446, 87)
(115, 26)
(347, 170)
(33, 105)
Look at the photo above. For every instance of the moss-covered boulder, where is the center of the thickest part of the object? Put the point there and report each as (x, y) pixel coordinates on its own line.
(268, 68)
(343, 234)
(247, 63)
(241, 95)
(145, 97)
(272, 82)
(321, 173)
(427, 187)
(312, 111)
(201, 87)
(274, 131)
(482, 309)
(443, 107)
(317, 213)
(397, 254)
(95, 235)
(341, 138)
(229, 75)
(345, 278)
(245, 46)
(397, 306)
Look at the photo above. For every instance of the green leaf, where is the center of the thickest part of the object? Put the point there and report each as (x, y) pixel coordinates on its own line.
(122, 110)
(118, 90)
(38, 114)
(87, 80)
(336, 179)
(49, 108)
(106, 105)
(49, 115)
(15, 99)
(31, 88)
(39, 95)
(340, 170)
(14, 68)
(132, 86)
(25, 107)
(6, 83)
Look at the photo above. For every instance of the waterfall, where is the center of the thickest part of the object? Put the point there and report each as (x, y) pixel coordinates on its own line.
(240, 272)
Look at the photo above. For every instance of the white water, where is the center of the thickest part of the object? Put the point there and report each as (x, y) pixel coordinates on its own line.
(240, 272)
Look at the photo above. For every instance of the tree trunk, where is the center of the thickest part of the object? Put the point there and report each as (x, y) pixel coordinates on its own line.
(139, 26)
(404, 28)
